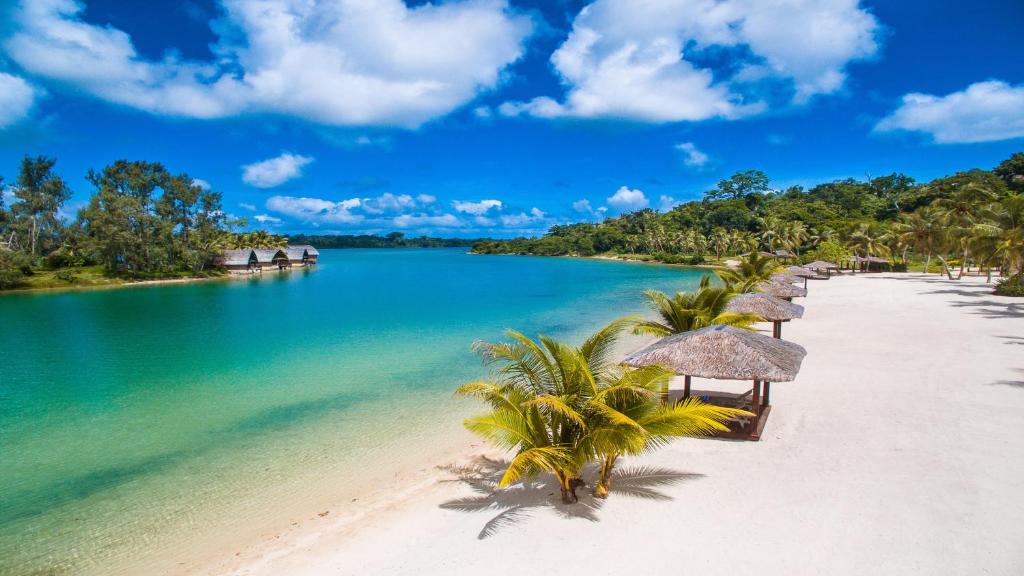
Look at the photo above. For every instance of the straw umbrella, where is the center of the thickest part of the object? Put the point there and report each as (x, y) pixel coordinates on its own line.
(801, 272)
(784, 291)
(784, 278)
(772, 309)
(819, 265)
(727, 353)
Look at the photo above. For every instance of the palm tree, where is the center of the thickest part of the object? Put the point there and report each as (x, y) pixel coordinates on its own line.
(638, 422)
(752, 270)
(1002, 233)
(921, 230)
(771, 232)
(691, 311)
(960, 213)
(719, 241)
(794, 234)
(557, 406)
(869, 241)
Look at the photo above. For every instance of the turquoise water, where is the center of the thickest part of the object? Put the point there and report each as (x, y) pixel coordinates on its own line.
(138, 422)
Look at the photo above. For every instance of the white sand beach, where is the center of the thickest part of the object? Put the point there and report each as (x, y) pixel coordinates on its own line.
(898, 450)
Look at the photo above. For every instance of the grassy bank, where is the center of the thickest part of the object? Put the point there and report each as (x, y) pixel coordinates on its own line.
(96, 277)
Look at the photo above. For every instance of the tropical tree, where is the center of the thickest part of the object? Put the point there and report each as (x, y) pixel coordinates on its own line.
(560, 406)
(688, 311)
(752, 270)
(39, 195)
(868, 240)
(960, 212)
(922, 230)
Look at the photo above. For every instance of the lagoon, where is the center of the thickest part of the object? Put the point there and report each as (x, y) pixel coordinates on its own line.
(139, 426)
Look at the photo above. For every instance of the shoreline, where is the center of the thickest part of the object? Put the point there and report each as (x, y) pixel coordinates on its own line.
(227, 276)
(435, 538)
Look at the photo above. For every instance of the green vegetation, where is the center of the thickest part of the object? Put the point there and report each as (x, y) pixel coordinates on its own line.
(560, 407)
(392, 240)
(692, 310)
(970, 219)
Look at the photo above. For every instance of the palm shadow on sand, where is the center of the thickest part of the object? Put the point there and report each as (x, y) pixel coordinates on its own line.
(521, 500)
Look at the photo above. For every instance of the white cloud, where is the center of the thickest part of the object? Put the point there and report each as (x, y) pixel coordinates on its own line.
(482, 112)
(388, 202)
(476, 208)
(337, 62)
(201, 183)
(426, 199)
(626, 199)
(275, 171)
(983, 112)
(267, 219)
(249, 207)
(641, 60)
(440, 221)
(315, 209)
(666, 203)
(692, 156)
(16, 99)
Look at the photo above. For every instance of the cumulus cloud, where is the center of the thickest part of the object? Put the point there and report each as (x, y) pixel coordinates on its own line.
(583, 206)
(337, 62)
(249, 207)
(388, 202)
(274, 171)
(691, 155)
(439, 221)
(16, 99)
(426, 198)
(982, 112)
(666, 203)
(267, 219)
(476, 208)
(201, 183)
(626, 199)
(645, 60)
(315, 209)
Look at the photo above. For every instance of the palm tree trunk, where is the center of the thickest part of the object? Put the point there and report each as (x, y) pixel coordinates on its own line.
(604, 481)
(927, 263)
(568, 484)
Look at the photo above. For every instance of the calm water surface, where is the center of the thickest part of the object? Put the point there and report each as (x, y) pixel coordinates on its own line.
(138, 422)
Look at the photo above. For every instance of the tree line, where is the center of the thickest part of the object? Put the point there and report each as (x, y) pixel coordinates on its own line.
(141, 221)
(392, 240)
(975, 217)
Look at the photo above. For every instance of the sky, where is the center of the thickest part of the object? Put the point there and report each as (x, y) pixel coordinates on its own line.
(501, 118)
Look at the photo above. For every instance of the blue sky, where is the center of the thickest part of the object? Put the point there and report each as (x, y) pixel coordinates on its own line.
(493, 118)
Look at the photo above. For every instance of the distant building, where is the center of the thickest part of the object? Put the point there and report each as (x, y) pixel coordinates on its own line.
(239, 261)
(301, 255)
(249, 260)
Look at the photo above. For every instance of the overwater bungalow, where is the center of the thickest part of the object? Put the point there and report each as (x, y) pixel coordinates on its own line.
(301, 255)
(271, 258)
(238, 261)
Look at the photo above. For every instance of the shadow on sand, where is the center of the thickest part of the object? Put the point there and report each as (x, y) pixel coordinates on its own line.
(1012, 383)
(523, 499)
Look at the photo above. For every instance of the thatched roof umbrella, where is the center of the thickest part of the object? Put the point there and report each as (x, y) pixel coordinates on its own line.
(772, 309)
(819, 265)
(784, 291)
(784, 278)
(801, 272)
(727, 353)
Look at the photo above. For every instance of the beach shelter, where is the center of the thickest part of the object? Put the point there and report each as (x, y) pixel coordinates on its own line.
(728, 353)
(784, 278)
(772, 309)
(801, 272)
(819, 265)
(780, 290)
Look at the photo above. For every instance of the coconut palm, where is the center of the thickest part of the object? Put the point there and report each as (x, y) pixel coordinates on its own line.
(961, 213)
(922, 230)
(869, 241)
(752, 270)
(691, 311)
(636, 421)
(719, 241)
(558, 407)
(1002, 233)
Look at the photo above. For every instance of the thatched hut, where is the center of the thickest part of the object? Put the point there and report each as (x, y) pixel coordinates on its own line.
(784, 255)
(870, 264)
(780, 290)
(301, 255)
(770, 308)
(271, 258)
(237, 261)
(728, 353)
(801, 272)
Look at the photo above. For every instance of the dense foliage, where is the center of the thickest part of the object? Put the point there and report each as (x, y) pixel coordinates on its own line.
(970, 218)
(392, 240)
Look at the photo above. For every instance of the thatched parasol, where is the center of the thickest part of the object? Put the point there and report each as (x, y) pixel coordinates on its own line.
(779, 290)
(784, 278)
(801, 272)
(772, 309)
(819, 265)
(727, 353)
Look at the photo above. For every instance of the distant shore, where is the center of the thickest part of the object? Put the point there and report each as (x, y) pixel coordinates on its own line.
(115, 282)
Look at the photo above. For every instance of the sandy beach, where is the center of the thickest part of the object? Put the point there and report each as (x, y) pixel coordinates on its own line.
(896, 451)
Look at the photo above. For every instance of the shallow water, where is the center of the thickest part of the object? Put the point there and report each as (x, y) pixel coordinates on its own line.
(137, 422)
